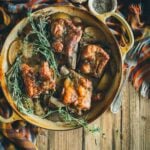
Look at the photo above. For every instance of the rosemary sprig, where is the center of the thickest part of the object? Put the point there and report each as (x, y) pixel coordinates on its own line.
(71, 120)
(15, 87)
(42, 43)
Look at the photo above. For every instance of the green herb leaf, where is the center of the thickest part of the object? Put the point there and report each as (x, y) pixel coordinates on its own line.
(42, 43)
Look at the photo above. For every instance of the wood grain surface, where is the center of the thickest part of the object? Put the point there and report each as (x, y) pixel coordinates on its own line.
(129, 129)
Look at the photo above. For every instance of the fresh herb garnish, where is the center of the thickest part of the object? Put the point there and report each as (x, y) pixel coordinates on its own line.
(41, 43)
(14, 83)
(69, 119)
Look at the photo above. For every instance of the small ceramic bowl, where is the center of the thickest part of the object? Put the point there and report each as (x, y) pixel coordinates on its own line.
(112, 8)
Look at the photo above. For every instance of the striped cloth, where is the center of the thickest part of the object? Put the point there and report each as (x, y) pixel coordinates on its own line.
(21, 135)
(140, 74)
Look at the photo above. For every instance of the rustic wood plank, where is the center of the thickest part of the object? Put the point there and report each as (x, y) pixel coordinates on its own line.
(109, 136)
(117, 128)
(92, 141)
(65, 140)
(144, 124)
(134, 119)
(42, 140)
(125, 138)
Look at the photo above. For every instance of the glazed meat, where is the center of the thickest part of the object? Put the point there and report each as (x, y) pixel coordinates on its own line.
(93, 60)
(84, 90)
(29, 80)
(46, 72)
(58, 28)
(66, 39)
(77, 92)
(72, 39)
(58, 45)
(45, 76)
(69, 93)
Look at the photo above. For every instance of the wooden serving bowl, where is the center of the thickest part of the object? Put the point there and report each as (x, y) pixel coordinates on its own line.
(106, 37)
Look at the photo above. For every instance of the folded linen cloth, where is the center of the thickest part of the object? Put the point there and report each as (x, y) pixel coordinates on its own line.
(21, 135)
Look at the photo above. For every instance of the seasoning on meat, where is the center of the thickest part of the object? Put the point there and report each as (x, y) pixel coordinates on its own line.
(93, 60)
(29, 80)
(78, 92)
(58, 46)
(46, 77)
(69, 93)
(57, 28)
(73, 37)
(84, 90)
(47, 74)
(66, 38)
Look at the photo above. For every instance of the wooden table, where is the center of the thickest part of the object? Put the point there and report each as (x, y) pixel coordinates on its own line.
(127, 130)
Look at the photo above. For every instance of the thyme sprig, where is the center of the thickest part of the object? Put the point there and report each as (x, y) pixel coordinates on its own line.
(42, 42)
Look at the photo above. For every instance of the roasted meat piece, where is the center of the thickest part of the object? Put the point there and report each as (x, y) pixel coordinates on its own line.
(69, 92)
(72, 39)
(77, 92)
(93, 60)
(47, 75)
(84, 90)
(31, 79)
(58, 45)
(66, 36)
(46, 72)
(57, 28)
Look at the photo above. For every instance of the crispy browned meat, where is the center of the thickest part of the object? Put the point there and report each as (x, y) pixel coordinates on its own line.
(84, 90)
(29, 80)
(78, 92)
(57, 28)
(45, 72)
(47, 85)
(69, 93)
(86, 68)
(47, 79)
(72, 39)
(58, 46)
(66, 38)
(93, 60)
